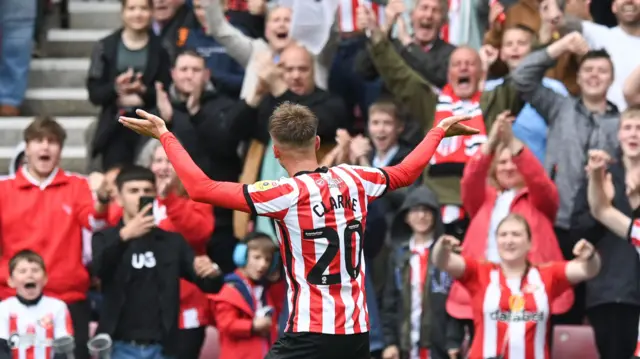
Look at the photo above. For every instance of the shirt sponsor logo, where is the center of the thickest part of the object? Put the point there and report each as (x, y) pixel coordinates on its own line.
(517, 312)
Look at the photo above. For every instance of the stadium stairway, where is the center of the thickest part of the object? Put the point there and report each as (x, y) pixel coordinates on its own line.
(57, 81)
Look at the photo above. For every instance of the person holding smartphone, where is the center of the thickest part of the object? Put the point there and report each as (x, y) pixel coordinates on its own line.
(140, 267)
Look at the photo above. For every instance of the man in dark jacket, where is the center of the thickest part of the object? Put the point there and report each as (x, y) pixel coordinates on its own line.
(207, 123)
(140, 267)
(415, 291)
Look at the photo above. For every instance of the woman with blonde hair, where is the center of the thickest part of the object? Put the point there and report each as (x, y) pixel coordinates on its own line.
(505, 177)
(511, 300)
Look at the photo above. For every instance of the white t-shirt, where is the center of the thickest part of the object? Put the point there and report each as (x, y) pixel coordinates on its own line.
(624, 50)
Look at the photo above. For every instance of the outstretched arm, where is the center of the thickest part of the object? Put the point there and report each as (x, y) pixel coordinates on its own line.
(200, 187)
(407, 172)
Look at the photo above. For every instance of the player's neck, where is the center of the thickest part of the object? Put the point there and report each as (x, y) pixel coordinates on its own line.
(514, 269)
(297, 165)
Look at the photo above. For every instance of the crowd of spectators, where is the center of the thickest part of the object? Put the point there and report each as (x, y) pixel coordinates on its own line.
(552, 85)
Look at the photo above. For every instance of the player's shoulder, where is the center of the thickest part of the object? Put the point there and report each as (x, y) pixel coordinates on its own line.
(359, 171)
(283, 184)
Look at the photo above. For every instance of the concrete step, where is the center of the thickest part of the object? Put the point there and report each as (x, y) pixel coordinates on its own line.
(60, 72)
(95, 15)
(72, 42)
(58, 102)
(74, 158)
(11, 129)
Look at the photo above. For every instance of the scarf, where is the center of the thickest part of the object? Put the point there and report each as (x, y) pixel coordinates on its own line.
(458, 149)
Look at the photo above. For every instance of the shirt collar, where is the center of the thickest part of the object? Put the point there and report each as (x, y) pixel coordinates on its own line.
(25, 179)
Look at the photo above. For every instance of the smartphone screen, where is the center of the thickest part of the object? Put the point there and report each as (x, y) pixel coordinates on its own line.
(144, 201)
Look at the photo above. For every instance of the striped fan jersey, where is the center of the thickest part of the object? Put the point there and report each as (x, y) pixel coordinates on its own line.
(511, 317)
(30, 329)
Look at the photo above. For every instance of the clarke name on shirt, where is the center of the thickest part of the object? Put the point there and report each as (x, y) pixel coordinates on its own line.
(523, 316)
(339, 201)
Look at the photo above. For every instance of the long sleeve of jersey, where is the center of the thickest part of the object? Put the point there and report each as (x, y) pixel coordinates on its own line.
(407, 172)
(200, 187)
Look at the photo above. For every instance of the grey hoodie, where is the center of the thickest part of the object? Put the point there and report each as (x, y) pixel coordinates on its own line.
(396, 303)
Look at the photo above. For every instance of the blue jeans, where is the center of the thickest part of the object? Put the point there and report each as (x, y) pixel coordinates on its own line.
(17, 23)
(125, 350)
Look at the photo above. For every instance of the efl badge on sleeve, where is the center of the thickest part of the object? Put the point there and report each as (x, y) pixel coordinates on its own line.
(265, 185)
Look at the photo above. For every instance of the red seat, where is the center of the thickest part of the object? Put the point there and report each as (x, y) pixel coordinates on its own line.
(574, 341)
(210, 349)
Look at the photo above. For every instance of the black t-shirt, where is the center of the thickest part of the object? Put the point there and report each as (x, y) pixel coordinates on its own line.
(140, 318)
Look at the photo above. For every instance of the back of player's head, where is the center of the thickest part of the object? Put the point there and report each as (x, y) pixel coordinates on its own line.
(28, 256)
(134, 173)
(293, 126)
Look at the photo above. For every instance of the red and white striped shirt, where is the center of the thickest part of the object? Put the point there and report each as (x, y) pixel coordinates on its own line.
(30, 330)
(347, 14)
(320, 218)
(511, 317)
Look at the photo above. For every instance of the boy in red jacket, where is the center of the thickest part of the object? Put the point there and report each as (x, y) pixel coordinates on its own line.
(246, 309)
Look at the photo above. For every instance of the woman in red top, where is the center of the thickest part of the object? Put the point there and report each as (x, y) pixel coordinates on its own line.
(511, 300)
(505, 177)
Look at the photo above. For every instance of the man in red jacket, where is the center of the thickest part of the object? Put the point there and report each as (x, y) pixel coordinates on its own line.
(44, 209)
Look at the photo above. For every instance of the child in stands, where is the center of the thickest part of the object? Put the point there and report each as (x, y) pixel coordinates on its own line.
(247, 307)
(30, 321)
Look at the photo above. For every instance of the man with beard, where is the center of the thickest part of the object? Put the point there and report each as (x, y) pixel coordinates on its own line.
(621, 42)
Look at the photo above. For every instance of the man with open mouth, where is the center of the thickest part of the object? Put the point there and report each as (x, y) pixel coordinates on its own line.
(44, 207)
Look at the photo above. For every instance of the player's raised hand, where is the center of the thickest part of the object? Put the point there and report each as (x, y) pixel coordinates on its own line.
(148, 125)
(583, 250)
(453, 127)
